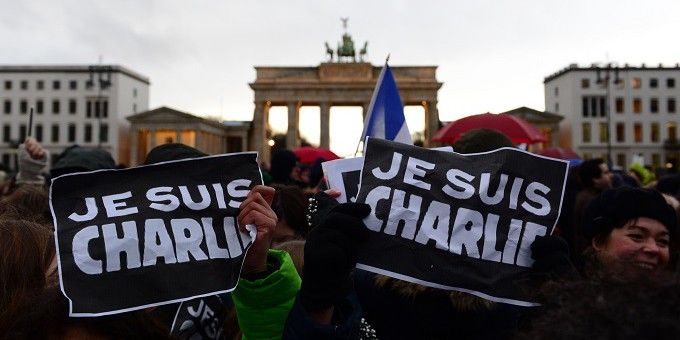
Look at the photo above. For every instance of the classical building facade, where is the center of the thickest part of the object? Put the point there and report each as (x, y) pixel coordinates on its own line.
(166, 125)
(335, 84)
(84, 105)
(637, 105)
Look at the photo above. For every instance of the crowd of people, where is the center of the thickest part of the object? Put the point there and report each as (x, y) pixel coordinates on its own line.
(608, 271)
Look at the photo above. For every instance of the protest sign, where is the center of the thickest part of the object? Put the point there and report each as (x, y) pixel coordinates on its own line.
(201, 318)
(344, 175)
(151, 235)
(459, 222)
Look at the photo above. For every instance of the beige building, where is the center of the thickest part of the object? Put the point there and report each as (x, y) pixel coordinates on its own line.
(166, 125)
(544, 121)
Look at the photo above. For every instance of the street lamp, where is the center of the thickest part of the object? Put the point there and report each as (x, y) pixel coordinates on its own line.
(103, 74)
(607, 70)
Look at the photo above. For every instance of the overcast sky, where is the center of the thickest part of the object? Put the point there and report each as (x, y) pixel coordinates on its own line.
(199, 55)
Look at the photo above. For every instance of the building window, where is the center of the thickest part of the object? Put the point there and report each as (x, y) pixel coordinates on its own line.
(97, 108)
(8, 107)
(24, 85)
(670, 83)
(585, 83)
(8, 84)
(655, 133)
(56, 106)
(620, 132)
(594, 106)
(557, 107)
(637, 105)
(104, 133)
(603, 132)
(88, 109)
(654, 105)
(672, 132)
(6, 133)
(55, 133)
(71, 133)
(636, 83)
(22, 132)
(6, 158)
(637, 132)
(72, 106)
(105, 108)
(88, 133)
(620, 107)
(670, 105)
(653, 83)
(621, 159)
(586, 132)
(73, 85)
(56, 85)
(40, 85)
(134, 92)
(134, 108)
(39, 133)
(23, 107)
(39, 106)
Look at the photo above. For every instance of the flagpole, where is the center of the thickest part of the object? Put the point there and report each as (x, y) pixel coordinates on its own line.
(370, 106)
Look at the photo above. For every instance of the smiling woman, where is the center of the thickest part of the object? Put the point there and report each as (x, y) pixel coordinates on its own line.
(630, 230)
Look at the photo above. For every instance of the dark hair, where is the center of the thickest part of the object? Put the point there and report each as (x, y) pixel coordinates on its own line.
(172, 152)
(26, 252)
(290, 204)
(590, 170)
(613, 208)
(481, 140)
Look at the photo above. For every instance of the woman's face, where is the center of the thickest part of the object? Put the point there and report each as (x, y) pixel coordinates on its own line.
(641, 243)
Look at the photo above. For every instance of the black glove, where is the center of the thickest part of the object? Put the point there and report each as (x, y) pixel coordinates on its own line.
(319, 208)
(551, 257)
(331, 254)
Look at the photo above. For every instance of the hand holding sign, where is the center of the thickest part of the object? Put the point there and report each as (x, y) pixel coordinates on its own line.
(256, 210)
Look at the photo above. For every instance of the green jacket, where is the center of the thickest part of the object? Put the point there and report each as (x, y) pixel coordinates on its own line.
(262, 306)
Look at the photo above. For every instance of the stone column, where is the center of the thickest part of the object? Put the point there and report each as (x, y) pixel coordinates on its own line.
(431, 121)
(324, 125)
(293, 126)
(152, 139)
(259, 129)
(134, 140)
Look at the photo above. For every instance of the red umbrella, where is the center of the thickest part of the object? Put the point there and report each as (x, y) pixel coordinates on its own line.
(517, 129)
(559, 153)
(309, 154)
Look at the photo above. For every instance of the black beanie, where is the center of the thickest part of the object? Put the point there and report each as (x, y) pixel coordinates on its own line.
(614, 207)
(172, 152)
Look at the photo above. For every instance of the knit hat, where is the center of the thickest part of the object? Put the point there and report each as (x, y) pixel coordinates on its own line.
(77, 159)
(614, 207)
(172, 152)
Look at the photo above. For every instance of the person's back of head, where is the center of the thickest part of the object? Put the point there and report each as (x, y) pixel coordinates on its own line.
(172, 152)
(282, 165)
(481, 140)
(27, 202)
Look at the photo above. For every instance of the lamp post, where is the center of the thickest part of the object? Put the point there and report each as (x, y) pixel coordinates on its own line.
(103, 75)
(607, 70)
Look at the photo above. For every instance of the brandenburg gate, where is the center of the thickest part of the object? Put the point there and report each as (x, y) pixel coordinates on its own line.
(335, 83)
